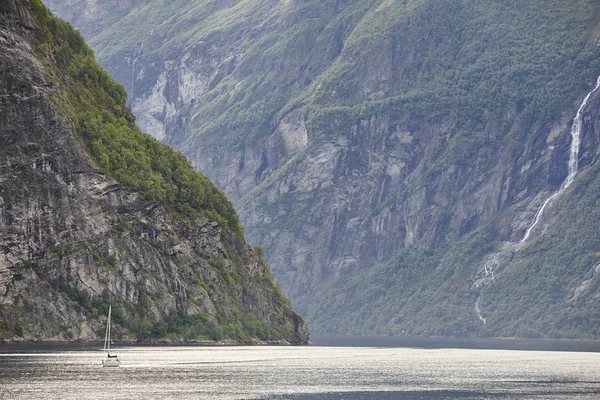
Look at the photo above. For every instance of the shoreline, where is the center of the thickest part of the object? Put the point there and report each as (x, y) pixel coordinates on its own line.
(332, 335)
(428, 342)
(200, 343)
(424, 342)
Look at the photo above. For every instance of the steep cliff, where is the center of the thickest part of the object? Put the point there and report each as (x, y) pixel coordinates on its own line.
(389, 155)
(92, 212)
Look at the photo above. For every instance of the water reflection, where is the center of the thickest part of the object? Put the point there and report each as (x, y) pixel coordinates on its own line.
(300, 373)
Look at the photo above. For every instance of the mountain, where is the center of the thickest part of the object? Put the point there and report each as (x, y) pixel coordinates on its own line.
(390, 155)
(94, 213)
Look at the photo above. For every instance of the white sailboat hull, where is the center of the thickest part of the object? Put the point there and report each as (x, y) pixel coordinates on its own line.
(110, 363)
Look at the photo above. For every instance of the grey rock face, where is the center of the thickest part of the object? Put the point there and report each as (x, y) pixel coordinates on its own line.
(332, 199)
(66, 229)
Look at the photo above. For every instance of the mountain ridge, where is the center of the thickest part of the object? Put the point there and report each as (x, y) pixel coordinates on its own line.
(379, 142)
(75, 239)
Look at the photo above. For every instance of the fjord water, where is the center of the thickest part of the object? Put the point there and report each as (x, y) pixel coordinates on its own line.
(307, 373)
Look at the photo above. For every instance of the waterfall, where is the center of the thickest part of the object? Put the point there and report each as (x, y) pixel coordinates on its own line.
(139, 53)
(575, 134)
(486, 273)
(493, 261)
(573, 162)
(478, 311)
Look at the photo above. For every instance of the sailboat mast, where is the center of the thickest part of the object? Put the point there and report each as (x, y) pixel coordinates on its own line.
(109, 323)
(109, 361)
(107, 334)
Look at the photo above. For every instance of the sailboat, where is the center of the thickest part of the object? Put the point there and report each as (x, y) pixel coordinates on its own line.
(111, 360)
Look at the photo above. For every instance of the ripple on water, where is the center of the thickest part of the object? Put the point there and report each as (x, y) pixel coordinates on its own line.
(301, 373)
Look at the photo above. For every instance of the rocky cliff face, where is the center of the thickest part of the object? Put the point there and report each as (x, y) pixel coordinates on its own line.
(382, 152)
(73, 240)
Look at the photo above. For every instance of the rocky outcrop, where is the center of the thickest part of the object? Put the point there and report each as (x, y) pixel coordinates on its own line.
(352, 133)
(73, 240)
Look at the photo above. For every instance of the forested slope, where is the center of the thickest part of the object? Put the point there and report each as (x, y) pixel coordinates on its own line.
(94, 213)
(389, 155)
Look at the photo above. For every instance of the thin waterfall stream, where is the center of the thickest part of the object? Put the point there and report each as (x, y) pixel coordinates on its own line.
(573, 162)
(139, 53)
(493, 261)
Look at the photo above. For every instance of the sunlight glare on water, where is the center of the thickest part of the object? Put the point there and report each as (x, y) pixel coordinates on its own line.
(300, 373)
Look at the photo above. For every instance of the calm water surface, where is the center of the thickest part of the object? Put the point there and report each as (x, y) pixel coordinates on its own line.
(299, 373)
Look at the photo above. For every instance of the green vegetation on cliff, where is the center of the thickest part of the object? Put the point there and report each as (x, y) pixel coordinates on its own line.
(496, 73)
(472, 60)
(452, 117)
(95, 104)
(164, 247)
(550, 288)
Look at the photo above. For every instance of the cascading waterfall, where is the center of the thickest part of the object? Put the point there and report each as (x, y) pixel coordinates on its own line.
(139, 53)
(486, 276)
(573, 162)
(493, 261)
(478, 311)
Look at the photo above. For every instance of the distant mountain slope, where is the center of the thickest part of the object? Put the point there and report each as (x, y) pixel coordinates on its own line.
(93, 212)
(389, 155)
